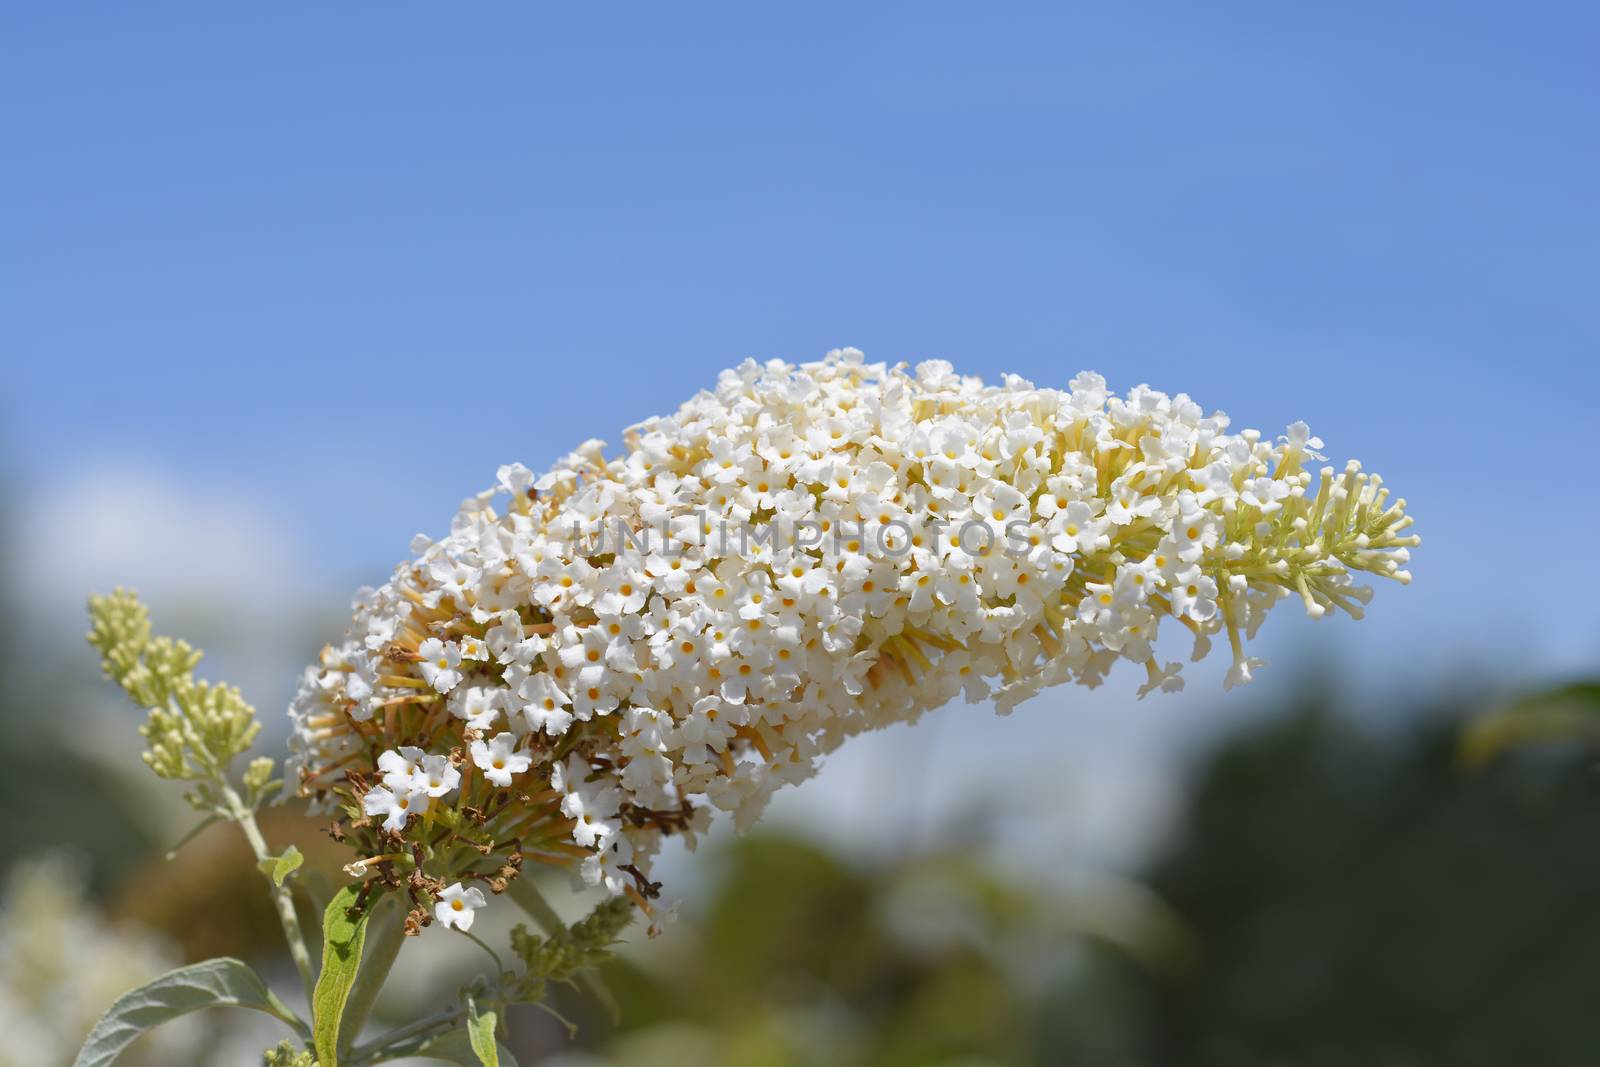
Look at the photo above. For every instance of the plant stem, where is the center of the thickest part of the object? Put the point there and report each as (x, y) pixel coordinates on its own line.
(386, 933)
(499, 967)
(282, 895)
(395, 1042)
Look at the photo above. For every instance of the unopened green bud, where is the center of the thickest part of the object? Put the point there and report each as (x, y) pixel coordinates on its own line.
(195, 728)
(286, 1055)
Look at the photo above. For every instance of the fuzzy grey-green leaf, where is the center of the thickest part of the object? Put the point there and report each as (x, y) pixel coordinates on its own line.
(214, 983)
(480, 1034)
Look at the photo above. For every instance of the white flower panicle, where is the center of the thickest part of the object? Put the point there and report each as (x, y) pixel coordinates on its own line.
(593, 658)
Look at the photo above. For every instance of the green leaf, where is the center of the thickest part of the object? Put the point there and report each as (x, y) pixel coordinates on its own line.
(529, 899)
(456, 1047)
(212, 984)
(480, 1032)
(280, 867)
(342, 938)
(386, 933)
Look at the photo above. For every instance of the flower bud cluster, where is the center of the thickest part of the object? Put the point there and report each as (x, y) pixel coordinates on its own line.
(194, 728)
(589, 660)
(285, 1054)
(568, 951)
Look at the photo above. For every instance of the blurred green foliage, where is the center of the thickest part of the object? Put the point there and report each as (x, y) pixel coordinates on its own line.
(1369, 898)
(54, 791)
(798, 959)
(1568, 714)
(1341, 896)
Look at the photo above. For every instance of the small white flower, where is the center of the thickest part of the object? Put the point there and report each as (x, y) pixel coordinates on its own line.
(457, 906)
(395, 808)
(1264, 493)
(401, 768)
(1241, 671)
(498, 759)
(440, 662)
(546, 707)
(1168, 679)
(1299, 441)
(593, 805)
(1193, 595)
(437, 777)
(514, 478)
(1074, 528)
(605, 866)
(478, 705)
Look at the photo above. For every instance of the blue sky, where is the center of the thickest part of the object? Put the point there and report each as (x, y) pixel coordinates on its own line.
(345, 262)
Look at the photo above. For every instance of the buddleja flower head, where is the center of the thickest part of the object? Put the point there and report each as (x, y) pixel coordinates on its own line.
(607, 651)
